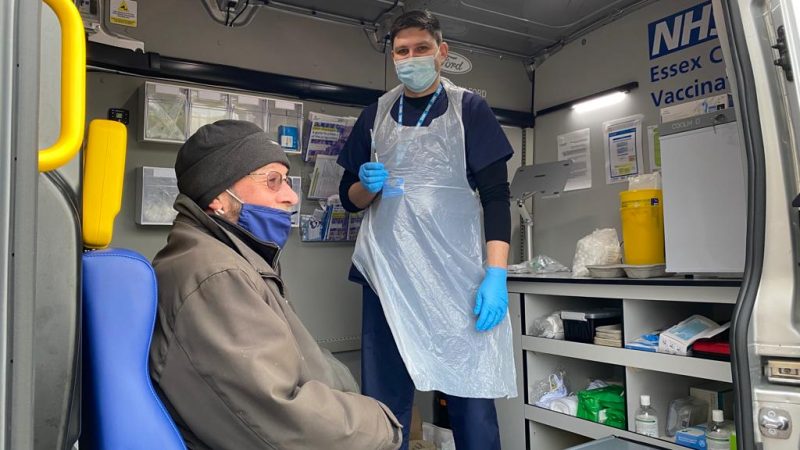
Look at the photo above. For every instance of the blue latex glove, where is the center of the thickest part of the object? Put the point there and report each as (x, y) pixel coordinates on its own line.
(491, 303)
(372, 176)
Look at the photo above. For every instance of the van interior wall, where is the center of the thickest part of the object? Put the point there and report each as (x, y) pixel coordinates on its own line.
(610, 56)
(277, 42)
(290, 44)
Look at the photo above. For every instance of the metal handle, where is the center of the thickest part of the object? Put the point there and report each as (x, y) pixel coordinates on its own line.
(73, 87)
(775, 423)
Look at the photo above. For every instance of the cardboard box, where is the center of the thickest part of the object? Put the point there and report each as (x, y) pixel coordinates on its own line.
(695, 108)
(717, 394)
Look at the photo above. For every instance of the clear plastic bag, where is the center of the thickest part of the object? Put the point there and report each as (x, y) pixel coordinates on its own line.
(551, 326)
(645, 181)
(540, 264)
(544, 391)
(599, 248)
(685, 412)
(546, 264)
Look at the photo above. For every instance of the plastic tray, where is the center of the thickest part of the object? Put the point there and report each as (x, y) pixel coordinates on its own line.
(607, 271)
(645, 271)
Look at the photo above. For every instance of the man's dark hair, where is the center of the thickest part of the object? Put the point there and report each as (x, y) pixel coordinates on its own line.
(417, 19)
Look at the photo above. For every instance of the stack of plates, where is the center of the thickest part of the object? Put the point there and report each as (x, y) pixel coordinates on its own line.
(608, 335)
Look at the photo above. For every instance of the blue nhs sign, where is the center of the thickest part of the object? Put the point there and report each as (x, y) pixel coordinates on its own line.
(681, 30)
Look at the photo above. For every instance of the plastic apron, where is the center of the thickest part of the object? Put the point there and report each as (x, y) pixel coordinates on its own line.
(421, 252)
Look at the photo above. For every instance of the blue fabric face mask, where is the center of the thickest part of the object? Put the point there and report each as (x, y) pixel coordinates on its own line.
(417, 73)
(265, 223)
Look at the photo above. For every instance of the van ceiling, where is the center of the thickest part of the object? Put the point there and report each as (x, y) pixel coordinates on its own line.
(523, 28)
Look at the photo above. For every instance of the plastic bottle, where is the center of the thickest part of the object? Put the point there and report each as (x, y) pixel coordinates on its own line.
(718, 437)
(646, 418)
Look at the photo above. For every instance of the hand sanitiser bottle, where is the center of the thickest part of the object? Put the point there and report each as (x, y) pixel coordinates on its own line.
(717, 436)
(646, 419)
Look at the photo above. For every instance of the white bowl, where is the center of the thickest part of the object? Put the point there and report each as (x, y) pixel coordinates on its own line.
(606, 271)
(645, 270)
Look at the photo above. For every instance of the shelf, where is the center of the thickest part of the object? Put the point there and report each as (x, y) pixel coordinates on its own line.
(659, 362)
(566, 277)
(590, 429)
(671, 290)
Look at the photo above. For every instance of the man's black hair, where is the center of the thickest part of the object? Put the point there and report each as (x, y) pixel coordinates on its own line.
(417, 19)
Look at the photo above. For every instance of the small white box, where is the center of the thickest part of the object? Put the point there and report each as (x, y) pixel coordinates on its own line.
(695, 108)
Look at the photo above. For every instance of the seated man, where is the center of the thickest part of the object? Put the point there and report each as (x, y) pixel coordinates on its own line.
(231, 359)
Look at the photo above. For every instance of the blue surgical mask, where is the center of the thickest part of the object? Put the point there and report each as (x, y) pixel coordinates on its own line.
(265, 223)
(417, 73)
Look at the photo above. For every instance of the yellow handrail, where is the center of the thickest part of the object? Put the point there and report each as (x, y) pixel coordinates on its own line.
(73, 87)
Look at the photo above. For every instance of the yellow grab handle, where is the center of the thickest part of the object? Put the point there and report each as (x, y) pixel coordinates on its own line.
(73, 87)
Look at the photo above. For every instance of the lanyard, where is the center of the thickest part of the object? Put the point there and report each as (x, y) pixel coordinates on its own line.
(424, 113)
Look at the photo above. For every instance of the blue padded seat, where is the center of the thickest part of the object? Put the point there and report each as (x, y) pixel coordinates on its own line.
(121, 409)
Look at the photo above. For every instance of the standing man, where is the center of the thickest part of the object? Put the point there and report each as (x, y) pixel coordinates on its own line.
(434, 315)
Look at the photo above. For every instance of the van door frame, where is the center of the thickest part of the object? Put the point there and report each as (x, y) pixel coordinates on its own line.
(743, 89)
(20, 22)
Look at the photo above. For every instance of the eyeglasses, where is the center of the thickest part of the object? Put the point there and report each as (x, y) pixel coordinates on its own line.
(274, 179)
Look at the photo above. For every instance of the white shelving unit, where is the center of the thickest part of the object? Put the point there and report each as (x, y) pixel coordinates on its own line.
(588, 428)
(677, 365)
(646, 305)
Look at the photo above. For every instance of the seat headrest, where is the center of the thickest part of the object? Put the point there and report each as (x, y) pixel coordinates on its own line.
(103, 174)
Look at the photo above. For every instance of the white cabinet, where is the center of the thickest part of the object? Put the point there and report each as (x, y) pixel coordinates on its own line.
(646, 305)
(705, 198)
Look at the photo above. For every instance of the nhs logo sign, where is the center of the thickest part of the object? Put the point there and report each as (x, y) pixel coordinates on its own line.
(681, 30)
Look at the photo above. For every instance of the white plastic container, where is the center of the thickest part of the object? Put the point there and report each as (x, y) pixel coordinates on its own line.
(646, 418)
(718, 437)
(645, 270)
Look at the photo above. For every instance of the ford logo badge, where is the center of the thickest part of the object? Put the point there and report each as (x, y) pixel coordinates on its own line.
(456, 63)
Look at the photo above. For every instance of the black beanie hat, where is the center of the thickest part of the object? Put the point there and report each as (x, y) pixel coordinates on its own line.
(220, 154)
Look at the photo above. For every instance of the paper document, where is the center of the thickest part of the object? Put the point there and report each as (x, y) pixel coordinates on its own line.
(654, 141)
(327, 134)
(325, 178)
(576, 146)
(354, 225)
(335, 225)
(623, 148)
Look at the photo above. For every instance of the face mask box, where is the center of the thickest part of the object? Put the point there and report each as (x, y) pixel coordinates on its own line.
(288, 137)
(694, 437)
(678, 339)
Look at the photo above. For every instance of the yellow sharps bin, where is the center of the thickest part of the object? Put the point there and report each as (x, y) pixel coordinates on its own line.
(642, 217)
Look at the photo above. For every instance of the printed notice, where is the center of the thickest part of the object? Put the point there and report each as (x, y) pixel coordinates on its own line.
(623, 148)
(576, 146)
(325, 178)
(654, 141)
(123, 12)
(328, 134)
